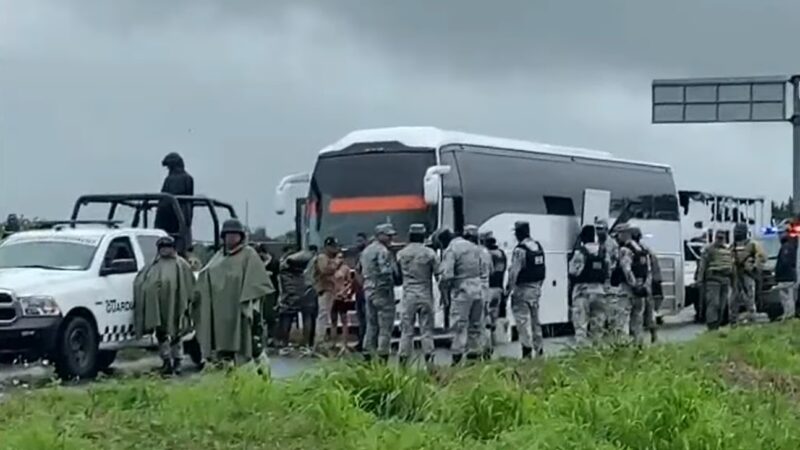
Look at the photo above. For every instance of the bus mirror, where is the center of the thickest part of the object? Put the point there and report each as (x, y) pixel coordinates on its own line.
(432, 183)
(281, 194)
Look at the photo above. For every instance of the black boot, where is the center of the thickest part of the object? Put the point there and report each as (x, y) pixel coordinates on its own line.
(367, 357)
(457, 359)
(527, 352)
(403, 360)
(540, 352)
(384, 359)
(487, 354)
(472, 357)
(176, 366)
(429, 359)
(653, 336)
(166, 367)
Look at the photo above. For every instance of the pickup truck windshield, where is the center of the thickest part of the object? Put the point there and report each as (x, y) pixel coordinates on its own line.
(56, 255)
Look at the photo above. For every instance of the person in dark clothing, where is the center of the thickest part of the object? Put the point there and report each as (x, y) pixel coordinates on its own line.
(786, 277)
(177, 182)
(358, 288)
(269, 313)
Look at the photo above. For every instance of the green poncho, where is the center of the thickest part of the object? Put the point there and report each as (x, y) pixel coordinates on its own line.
(162, 292)
(229, 289)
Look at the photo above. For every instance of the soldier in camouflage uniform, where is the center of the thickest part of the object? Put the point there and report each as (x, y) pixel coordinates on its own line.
(633, 275)
(589, 271)
(486, 271)
(715, 274)
(496, 294)
(748, 261)
(653, 301)
(379, 271)
(615, 311)
(525, 278)
(418, 265)
(461, 281)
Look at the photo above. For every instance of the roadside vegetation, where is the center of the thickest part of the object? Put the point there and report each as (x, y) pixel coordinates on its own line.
(728, 390)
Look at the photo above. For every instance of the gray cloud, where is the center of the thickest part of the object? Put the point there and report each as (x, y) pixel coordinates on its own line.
(93, 93)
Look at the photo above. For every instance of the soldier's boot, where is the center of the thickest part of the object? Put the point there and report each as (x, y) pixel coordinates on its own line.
(487, 354)
(402, 360)
(384, 359)
(429, 359)
(527, 353)
(367, 357)
(176, 366)
(472, 358)
(653, 335)
(166, 367)
(457, 359)
(540, 352)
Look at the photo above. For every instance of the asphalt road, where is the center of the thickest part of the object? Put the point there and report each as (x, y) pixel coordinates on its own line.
(16, 378)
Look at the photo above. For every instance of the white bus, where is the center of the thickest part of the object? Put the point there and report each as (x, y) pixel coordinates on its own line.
(449, 179)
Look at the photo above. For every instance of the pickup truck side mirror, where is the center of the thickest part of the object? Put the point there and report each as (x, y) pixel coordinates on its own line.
(119, 266)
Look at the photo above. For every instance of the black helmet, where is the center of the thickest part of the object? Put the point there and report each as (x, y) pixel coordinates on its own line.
(172, 160)
(232, 226)
(165, 241)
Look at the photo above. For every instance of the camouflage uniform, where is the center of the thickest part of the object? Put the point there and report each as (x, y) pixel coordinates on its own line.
(652, 304)
(496, 294)
(525, 300)
(748, 259)
(418, 265)
(589, 312)
(461, 279)
(486, 271)
(715, 273)
(378, 268)
(636, 302)
(617, 310)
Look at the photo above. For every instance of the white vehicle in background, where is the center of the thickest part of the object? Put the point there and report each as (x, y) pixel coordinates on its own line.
(66, 291)
(702, 215)
(441, 178)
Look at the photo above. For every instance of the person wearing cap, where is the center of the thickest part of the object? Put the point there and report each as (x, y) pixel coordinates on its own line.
(162, 295)
(379, 269)
(653, 301)
(487, 267)
(496, 308)
(786, 268)
(419, 264)
(612, 253)
(715, 272)
(461, 280)
(525, 278)
(230, 291)
(588, 270)
(748, 263)
(633, 275)
(323, 272)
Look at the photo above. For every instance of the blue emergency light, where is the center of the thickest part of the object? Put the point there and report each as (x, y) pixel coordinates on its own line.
(766, 231)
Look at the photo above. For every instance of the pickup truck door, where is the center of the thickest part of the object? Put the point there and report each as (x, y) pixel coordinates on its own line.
(118, 271)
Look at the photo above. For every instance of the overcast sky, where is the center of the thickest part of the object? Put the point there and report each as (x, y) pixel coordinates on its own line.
(93, 93)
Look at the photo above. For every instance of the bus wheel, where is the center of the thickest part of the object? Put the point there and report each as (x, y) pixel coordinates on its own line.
(192, 348)
(77, 350)
(105, 359)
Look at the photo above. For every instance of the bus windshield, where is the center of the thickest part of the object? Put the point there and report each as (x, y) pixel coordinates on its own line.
(353, 192)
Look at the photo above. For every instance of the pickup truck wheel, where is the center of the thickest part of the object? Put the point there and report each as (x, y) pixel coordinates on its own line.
(105, 358)
(192, 348)
(77, 350)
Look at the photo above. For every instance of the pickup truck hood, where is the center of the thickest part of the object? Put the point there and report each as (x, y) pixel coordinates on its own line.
(27, 281)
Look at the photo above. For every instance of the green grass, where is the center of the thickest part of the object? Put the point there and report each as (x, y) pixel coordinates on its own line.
(730, 390)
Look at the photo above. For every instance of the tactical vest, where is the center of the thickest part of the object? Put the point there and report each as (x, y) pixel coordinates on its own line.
(499, 264)
(595, 269)
(534, 270)
(638, 266)
(720, 261)
(786, 266)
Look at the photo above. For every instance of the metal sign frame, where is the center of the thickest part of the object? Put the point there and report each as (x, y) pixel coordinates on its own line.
(720, 100)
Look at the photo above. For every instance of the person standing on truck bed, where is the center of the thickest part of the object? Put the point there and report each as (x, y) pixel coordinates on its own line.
(162, 295)
(380, 275)
(419, 264)
(230, 291)
(786, 269)
(588, 269)
(653, 301)
(715, 274)
(525, 278)
(633, 276)
(748, 261)
(323, 272)
(177, 182)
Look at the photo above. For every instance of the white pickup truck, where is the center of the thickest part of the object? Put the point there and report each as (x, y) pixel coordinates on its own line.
(66, 294)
